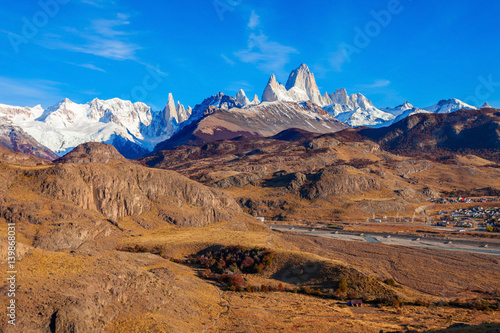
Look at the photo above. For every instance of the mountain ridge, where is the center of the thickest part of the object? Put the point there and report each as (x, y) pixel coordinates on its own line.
(135, 129)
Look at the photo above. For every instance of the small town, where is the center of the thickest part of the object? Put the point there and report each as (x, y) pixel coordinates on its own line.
(476, 217)
(457, 200)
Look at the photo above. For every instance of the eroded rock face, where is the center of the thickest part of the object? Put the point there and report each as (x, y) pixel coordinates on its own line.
(322, 142)
(338, 180)
(410, 194)
(406, 168)
(239, 180)
(429, 192)
(123, 189)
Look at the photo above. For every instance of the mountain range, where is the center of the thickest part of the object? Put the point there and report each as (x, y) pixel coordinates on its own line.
(135, 129)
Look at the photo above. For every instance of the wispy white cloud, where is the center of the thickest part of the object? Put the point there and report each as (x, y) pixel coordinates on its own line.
(375, 84)
(90, 66)
(227, 59)
(254, 20)
(107, 48)
(23, 92)
(98, 3)
(108, 28)
(105, 38)
(267, 55)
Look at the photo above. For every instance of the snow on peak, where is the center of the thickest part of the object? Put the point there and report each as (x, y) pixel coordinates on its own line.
(405, 106)
(275, 91)
(486, 105)
(301, 86)
(255, 100)
(170, 111)
(241, 98)
(449, 105)
(400, 109)
(66, 124)
(302, 79)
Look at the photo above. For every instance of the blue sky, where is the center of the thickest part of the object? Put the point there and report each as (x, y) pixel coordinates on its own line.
(389, 50)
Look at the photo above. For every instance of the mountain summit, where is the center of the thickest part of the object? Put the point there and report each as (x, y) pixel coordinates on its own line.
(449, 105)
(354, 110)
(301, 78)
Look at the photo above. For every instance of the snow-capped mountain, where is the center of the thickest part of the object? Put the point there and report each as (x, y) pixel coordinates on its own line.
(16, 139)
(132, 127)
(221, 117)
(407, 113)
(486, 105)
(17, 114)
(449, 105)
(354, 110)
(243, 100)
(397, 110)
(171, 116)
(402, 111)
(219, 101)
(302, 79)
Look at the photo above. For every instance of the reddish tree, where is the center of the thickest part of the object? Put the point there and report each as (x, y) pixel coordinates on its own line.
(247, 263)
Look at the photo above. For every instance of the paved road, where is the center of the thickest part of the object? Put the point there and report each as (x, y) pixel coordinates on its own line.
(469, 245)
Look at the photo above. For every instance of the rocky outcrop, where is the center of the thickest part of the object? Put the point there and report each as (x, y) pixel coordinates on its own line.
(91, 152)
(429, 192)
(405, 168)
(340, 180)
(322, 142)
(297, 180)
(239, 180)
(410, 194)
(123, 189)
(11, 157)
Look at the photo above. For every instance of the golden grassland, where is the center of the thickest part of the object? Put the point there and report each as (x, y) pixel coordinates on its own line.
(108, 290)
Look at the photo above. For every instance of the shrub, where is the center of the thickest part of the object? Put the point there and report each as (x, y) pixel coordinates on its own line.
(390, 282)
(247, 263)
(234, 280)
(343, 285)
(395, 302)
(258, 268)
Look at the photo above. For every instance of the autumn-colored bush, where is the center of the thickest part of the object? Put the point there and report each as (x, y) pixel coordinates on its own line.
(227, 264)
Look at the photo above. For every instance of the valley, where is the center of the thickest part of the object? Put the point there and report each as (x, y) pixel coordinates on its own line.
(252, 216)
